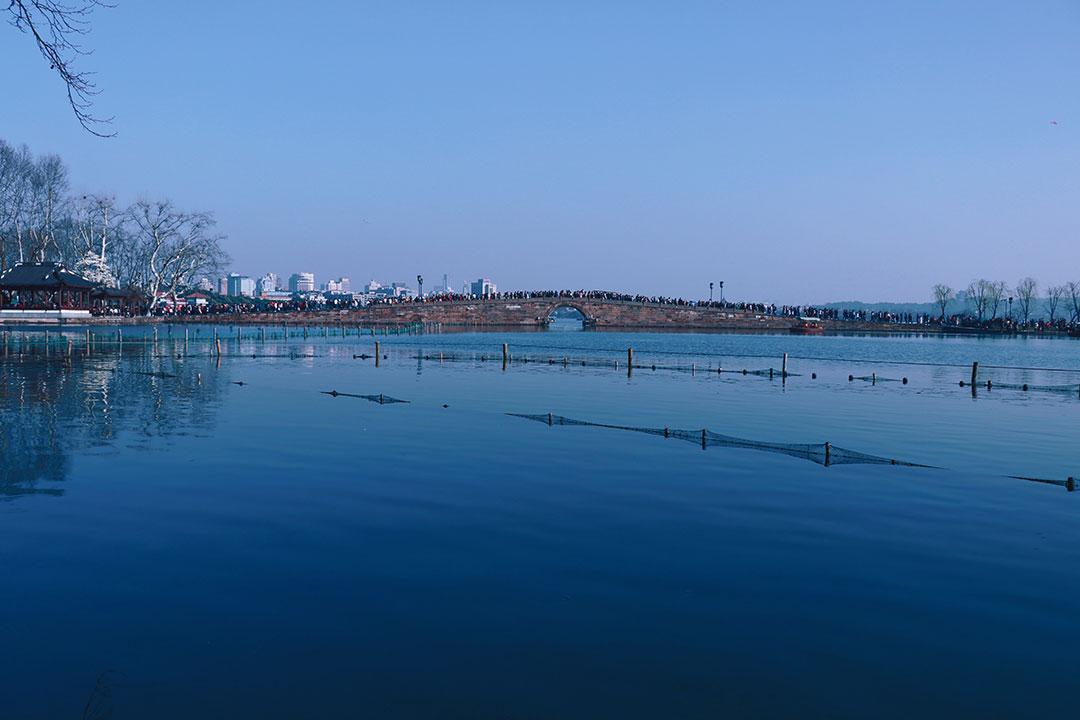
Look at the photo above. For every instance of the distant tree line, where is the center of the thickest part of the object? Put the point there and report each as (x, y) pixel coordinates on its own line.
(150, 244)
(993, 301)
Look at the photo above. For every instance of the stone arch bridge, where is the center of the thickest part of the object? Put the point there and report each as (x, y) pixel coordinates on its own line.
(535, 312)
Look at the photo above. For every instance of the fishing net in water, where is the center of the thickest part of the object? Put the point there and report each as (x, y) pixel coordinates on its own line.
(381, 399)
(819, 453)
(598, 362)
(1029, 387)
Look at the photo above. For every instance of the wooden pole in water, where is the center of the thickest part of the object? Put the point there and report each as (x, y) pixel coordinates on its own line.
(506, 353)
(376, 353)
(974, 372)
(46, 343)
(217, 346)
(828, 453)
(783, 368)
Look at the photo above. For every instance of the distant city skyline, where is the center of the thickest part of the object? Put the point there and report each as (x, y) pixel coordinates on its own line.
(800, 153)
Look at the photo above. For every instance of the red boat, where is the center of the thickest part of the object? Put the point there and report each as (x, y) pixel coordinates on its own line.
(808, 326)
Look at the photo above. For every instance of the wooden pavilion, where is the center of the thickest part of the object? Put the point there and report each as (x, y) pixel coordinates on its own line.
(45, 286)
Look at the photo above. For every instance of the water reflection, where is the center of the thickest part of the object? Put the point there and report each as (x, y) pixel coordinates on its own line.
(53, 405)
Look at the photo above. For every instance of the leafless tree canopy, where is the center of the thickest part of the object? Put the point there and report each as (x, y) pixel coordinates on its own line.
(150, 245)
(1054, 295)
(57, 26)
(1026, 292)
(943, 295)
(1073, 293)
(978, 295)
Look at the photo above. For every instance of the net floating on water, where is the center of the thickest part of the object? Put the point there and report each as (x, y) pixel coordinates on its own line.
(819, 453)
(381, 399)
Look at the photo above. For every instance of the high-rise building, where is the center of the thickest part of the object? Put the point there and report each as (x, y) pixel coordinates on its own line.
(341, 285)
(302, 282)
(268, 283)
(240, 286)
(223, 286)
(483, 288)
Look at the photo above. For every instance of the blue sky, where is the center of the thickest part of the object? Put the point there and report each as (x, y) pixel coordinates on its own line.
(801, 152)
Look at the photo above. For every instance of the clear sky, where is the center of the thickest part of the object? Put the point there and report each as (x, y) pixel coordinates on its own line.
(801, 152)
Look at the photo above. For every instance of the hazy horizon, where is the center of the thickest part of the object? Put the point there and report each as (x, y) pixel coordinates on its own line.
(800, 154)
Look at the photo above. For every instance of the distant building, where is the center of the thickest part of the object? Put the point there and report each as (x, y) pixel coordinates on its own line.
(372, 287)
(400, 290)
(268, 283)
(223, 286)
(196, 298)
(302, 282)
(205, 285)
(483, 288)
(341, 285)
(445, 287)
(240, 286)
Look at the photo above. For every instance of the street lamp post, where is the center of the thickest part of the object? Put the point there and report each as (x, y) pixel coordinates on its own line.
(420, 284)
(721, 291)
(710, 291)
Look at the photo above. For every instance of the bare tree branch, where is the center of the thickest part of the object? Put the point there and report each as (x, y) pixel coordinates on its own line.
(56, 26)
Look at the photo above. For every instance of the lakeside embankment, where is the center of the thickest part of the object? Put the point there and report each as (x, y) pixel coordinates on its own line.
(353, 318)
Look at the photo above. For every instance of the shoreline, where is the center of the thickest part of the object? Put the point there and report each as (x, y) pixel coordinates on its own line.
(775, 326)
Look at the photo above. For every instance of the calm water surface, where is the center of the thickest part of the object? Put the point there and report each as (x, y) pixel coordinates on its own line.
(176, 544)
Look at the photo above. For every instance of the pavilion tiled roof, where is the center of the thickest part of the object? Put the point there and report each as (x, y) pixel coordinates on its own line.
(43, 275)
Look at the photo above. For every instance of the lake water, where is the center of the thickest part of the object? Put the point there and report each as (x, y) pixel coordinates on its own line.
(182, 537)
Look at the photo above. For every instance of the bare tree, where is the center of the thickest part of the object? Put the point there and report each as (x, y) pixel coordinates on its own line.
(57, 26)
(177, 246)
(1026, 292)
(1073, 292)
(48, 203)
(1054, 295)
(943, 295)
(997, 291)
(94, 215)
(978, 294)
(16, 167)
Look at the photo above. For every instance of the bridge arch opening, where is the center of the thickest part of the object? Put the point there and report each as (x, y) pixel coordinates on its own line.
(566, 318)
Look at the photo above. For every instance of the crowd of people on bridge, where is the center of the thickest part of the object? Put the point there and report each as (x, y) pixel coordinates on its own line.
(222, 306)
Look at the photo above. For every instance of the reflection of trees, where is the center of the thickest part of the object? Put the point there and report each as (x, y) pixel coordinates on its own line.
(52, 407)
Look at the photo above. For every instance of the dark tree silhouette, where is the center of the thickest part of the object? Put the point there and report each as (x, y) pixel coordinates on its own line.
(56, 26)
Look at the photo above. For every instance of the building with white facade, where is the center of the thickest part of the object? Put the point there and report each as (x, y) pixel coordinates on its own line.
(240, 286)
(302, 282)
(483, 288)
(268, 283)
